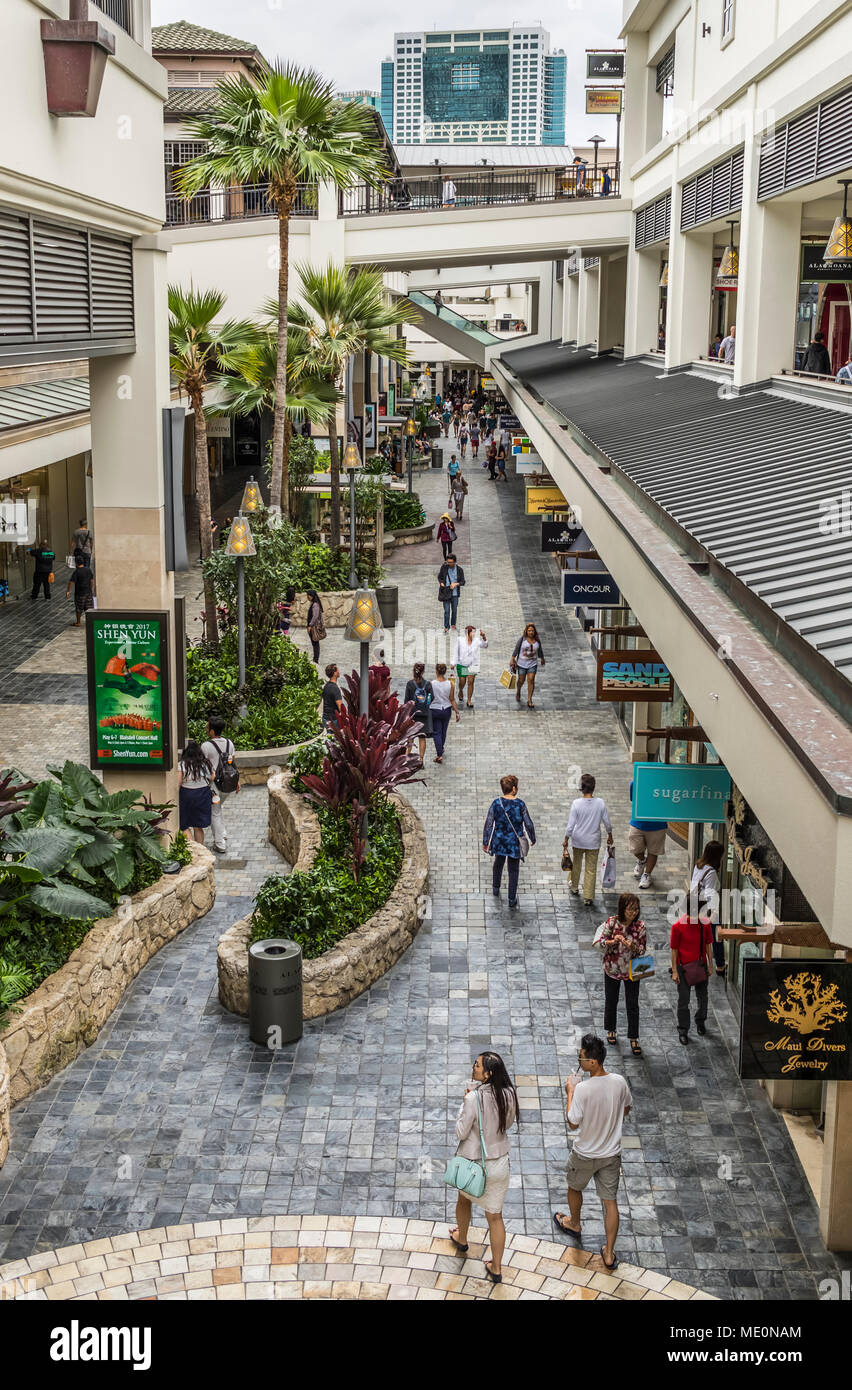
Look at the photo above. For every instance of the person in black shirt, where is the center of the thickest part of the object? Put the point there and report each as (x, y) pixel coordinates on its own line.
(332, 699)
(44, 560)
(82, 579)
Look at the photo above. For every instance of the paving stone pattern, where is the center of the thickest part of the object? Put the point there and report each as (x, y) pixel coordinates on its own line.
(173, 1117)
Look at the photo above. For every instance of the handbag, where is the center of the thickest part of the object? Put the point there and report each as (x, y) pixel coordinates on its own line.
(508, 679)
(567, 861)
(317, 631)
(466, 1173)
(523, 842)
(608, 868)
(694, 972)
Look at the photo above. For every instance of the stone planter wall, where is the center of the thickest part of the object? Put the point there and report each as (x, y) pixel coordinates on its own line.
(67, 1011)
(336, 606)
(257, 765)
(5, 1105)
(361, 958)
(413, 535)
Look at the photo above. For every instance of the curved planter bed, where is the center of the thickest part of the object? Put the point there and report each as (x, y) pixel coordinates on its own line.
(412, 535)
(362, 957)
(67, 1011)
(257, 765)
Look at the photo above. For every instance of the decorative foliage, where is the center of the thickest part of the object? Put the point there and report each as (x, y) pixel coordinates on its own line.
(282, 693)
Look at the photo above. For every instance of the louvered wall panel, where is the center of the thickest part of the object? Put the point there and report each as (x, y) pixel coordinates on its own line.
(772, 157)
(720, 201)
(737, 172)
(61, 281)
(713, 193)
(800, 161)
(112, 286)
(815, 144)
(834, 146)
(653, 223)
(704, 196)
(16, 299)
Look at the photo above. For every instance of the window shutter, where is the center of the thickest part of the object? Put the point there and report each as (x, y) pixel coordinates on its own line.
(61, 257)
(16, 290)
(112, 286)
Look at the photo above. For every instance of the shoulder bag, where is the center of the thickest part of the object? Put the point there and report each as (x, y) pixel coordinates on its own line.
(523, 842)
(694, 972)
(465, 1173)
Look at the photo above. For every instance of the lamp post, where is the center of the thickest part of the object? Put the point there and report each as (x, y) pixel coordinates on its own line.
(595, 140)
(364, 620)
(252, 501)
(352, 462)
(241, 546)
(410, 431)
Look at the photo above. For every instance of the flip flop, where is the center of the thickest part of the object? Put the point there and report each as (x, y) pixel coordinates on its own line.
(495, 1278)
(614, 1265)
(457, 1243)
(566, 1230)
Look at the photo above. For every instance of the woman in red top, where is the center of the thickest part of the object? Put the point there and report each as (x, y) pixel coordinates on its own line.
(692, 963)
(621, 938)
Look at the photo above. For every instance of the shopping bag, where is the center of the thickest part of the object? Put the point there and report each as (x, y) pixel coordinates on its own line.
(69, 562)
(641, 968)
(508, 679)
(608, 868)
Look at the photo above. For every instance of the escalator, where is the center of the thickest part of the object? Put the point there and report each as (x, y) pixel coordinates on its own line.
(452, 329)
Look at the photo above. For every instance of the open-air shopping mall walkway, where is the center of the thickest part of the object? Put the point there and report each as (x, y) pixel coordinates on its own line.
(174, 1159)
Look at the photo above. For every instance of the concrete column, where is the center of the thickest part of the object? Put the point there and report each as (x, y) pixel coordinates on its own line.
(835, 1204)
(587, 308)
(770, 236)
(642, 300)
(611, 293)
(570, 308)
(128, 394)
(689, 292)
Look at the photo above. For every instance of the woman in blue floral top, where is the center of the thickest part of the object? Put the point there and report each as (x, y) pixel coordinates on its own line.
(621, 938)
(507, 821)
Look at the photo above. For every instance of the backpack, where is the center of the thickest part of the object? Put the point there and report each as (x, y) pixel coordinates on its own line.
(227, 775)
(422, 696)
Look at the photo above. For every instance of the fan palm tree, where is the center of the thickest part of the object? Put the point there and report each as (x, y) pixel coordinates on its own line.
(342, 312)
(284, 128)
(196, 345)
(251, 385)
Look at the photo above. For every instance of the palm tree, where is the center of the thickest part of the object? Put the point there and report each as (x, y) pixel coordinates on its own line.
(196, 344)
(284, 128)
(343, 312)
(251, 385)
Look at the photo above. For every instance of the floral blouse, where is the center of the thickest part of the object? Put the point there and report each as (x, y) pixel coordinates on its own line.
(616, 958)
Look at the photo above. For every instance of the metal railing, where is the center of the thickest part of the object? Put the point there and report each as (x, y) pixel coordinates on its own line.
(215, 205)
(485, 188)
(120, 11)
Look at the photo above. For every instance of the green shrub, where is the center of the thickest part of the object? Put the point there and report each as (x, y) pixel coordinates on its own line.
(305, 760)
(282, 693)
(403, 510)
(318, 908)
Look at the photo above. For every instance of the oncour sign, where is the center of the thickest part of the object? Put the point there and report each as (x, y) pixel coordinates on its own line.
(590, 589)
(680, 791)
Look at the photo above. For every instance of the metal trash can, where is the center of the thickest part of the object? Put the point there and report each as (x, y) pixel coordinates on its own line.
(275, 992)
(387, 596)
(437, 458)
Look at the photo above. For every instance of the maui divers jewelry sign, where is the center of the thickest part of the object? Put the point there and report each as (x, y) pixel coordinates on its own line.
(796, 1020)
(589, 589)
(637, 675)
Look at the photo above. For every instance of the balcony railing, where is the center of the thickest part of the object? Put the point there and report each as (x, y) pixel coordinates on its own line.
(486, 188)
(120, 11)
(242, 204)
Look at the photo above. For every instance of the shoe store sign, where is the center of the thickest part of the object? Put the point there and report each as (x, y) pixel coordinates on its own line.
(796, 1020)
(680, 791)
(637, 675)
(129, 700)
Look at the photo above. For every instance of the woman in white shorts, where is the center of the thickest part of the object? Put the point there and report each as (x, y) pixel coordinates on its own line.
(498, 1100)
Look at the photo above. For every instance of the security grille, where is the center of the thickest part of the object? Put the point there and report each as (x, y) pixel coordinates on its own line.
(713, 193)
(810, 147)
(665, 73)
(653, 222)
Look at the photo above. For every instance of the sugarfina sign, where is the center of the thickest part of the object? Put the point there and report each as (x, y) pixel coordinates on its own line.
(794, 1022)
(696, 792)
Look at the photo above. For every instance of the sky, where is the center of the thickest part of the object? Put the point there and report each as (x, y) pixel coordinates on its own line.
(347, 41)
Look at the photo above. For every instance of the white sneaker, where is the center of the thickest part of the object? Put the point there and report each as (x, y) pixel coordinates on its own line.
(645, 881)
(639, 869)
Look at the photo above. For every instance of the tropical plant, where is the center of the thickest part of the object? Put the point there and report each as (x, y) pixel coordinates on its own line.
(196, 345)
(11, 788)
(281, 694)
(15, 982)
(341, 312)
(282, 128)
(403, 510)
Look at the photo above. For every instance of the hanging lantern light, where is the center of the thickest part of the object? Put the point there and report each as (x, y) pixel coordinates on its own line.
(839, 246)
(240, 539)
(252, 500)
(365, 618)
(664, 278)
(727, 276)
(351, 458)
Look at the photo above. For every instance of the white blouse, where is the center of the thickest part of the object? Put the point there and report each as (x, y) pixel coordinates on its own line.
(441, 691)
(467, 653)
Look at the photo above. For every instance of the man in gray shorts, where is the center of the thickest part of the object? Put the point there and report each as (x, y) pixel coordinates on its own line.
(597, 1105)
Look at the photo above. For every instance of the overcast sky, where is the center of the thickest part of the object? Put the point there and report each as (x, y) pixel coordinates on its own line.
(347, 40)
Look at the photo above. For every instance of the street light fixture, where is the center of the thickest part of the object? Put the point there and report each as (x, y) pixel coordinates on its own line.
(410, 431)
(252, 500)
(352, 462)
(839, 246)
(241, 546)
(363, 622)
(595, 140)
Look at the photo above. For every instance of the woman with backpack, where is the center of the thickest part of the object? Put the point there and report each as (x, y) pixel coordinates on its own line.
(315, 624)
(419, 692)
(507, 835)
(446, 534)
(195, 794)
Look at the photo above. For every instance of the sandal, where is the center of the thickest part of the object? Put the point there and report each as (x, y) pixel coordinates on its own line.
(612, 1039)
(566, 1230)
(495, 1278)
(457, 1243)
(635, 1048)
(530, 704)
(614, 1265)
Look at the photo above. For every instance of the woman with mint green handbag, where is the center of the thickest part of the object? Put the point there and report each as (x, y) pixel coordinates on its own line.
(480, 1168)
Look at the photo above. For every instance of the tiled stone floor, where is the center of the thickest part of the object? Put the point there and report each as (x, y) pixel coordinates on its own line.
(173, 1117)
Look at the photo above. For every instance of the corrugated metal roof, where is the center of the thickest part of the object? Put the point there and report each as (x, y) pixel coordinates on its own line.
(504, 156)
(183, 37)
(753, 478)
(42, 400)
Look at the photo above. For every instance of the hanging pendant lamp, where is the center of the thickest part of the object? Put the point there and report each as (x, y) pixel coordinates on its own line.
(839, 246)
(664, 278)
(727, 275)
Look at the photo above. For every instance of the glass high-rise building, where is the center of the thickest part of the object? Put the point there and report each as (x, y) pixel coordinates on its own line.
(475, 87)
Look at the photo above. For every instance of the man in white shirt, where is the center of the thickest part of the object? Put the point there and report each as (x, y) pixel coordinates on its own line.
(448, 195)
(728, 346)
(217, 749)
(598, 1103)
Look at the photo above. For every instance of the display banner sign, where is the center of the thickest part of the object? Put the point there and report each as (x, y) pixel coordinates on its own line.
(370, 426)
(636, 676)
(521, 444)
(590, 589)
(14, 524)
(128, 680)
(605, 63)
(796, 1020)
(544, 499)
(816, 267)
(391, 398)
(528, 464)
(680, 791)
(559, 535)
(604, 101)
(218, 426)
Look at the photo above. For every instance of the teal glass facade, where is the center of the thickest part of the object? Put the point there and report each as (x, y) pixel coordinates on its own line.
(466, 83)
(386, 98)
(555, 78)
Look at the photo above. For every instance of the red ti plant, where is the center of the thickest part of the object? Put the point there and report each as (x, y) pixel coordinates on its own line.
(366, 756)
(9, 790)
